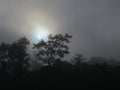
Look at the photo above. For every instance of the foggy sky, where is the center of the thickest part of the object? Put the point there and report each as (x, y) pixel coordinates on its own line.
(94, 24)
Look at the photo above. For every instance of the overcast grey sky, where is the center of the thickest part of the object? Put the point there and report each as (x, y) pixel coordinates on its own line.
(94, 24)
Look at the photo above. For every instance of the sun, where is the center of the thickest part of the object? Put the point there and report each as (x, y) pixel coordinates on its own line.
(41, 32)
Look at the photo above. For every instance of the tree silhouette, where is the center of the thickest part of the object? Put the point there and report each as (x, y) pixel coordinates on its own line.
(14, 57)
(3, 51)
(55, 48)
(19, 56)
(4, 58)
(78, 59)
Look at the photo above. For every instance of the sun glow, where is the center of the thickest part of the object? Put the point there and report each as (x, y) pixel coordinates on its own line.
(41, 32)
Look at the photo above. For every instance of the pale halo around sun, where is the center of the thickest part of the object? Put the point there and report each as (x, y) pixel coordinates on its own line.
(40, 32)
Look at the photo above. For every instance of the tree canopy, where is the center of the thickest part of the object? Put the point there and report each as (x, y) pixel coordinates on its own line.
(14, 57)
(56, 47)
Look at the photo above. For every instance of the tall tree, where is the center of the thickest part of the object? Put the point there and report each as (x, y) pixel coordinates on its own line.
(3, 51)
(4, 58)
(79, 58)
(53, 49)
(19, 56)
(79, 62)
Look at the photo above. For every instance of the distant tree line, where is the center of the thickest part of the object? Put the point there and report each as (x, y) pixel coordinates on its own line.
(15, 59)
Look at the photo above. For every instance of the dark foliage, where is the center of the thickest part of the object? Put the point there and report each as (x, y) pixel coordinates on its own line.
(14, 66)
(53, 49)
(14, 57)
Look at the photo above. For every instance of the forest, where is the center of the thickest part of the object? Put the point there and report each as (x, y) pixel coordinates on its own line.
(16, 68)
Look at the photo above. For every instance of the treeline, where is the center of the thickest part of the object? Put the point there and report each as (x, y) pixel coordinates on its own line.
(15, 63)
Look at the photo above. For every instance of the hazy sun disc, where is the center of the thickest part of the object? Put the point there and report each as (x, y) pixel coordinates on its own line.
(41, 32)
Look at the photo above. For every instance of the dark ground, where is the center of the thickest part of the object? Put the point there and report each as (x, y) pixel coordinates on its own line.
(64, 80)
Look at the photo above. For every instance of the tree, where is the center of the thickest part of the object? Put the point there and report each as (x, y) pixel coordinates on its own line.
(78, 59)
(79, 62)
(55, 48)
(19, 56)
(4, 59)
(3, 51)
